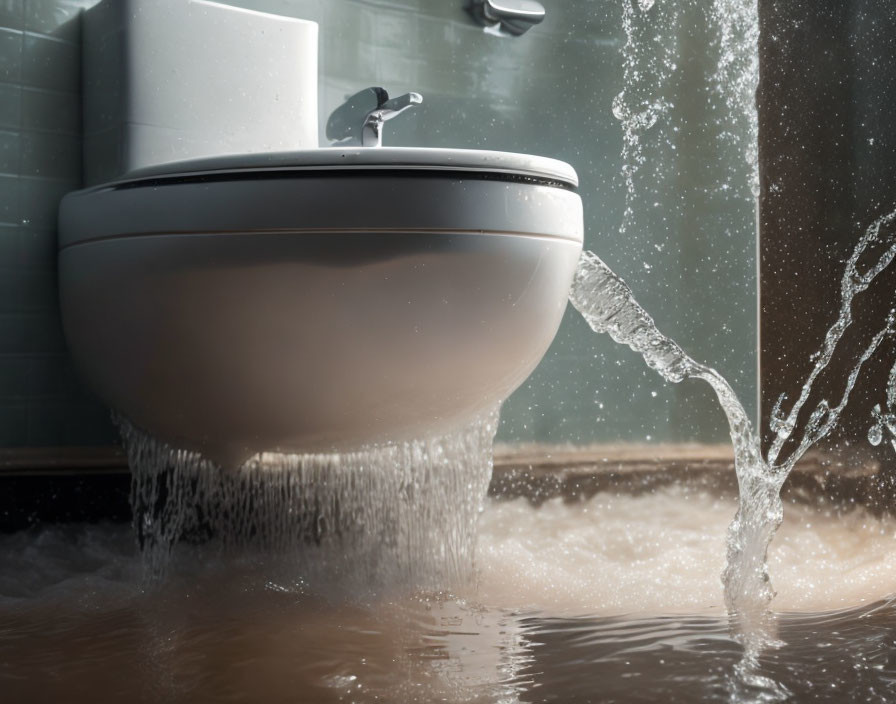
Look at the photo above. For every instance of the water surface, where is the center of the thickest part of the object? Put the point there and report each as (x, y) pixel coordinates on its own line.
(617, 598)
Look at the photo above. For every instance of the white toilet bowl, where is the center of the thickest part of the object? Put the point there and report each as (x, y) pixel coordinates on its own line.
(319, 300)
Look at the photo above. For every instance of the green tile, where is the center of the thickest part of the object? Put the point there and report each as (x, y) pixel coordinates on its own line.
(69, 422)
(9, 200)
(12, 333)
(9, 248)
(45, 376)
(39, 200)
(9, 152)
(14, 377)
(49, 155)
(13, 423)
(28, 291)
(36, 249)
(10, 105)
(31, 334)
(51, 63)
(12, 14)
(51, 111)
(21, 248)
(11, 52)
(58, 18)
(42, 334)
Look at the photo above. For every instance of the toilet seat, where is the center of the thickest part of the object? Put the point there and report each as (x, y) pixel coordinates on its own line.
(294, 191)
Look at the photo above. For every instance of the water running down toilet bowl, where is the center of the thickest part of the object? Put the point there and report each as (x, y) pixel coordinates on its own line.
(319, 300)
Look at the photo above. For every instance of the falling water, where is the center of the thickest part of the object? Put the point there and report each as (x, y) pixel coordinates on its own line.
(402, 514)
(651, 124)
(609, 306)
(884, 422)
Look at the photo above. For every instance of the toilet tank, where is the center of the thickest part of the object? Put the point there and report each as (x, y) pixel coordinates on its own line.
(168, 80)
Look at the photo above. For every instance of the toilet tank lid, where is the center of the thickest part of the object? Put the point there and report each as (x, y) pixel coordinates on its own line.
(371, 158)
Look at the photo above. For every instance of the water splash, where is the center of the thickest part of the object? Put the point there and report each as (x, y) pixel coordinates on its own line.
(871, 256)
(400, 515)
(736, 80)
(654, 51)
(884, 422)
(609, 306)
(648, 61)
(656, 59)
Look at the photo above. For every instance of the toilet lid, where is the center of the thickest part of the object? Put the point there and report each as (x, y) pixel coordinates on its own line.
(508, 164)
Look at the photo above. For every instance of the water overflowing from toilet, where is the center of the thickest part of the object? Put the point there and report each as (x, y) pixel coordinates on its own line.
(609, 306)
(401, 515)
(651, 59)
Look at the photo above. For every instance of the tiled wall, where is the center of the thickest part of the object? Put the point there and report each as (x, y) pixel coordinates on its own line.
(41, 401)
(548, 92)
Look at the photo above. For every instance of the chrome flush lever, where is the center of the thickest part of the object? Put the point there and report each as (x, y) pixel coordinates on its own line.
(360, 119)
(506, 18)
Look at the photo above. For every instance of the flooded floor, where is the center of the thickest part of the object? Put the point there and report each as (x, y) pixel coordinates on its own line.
(616, 598)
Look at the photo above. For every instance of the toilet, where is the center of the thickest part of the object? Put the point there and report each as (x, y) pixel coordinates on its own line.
(238, 300)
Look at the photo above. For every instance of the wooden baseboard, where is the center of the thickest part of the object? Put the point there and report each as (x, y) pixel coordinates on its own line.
(579, 459)
(62, 460)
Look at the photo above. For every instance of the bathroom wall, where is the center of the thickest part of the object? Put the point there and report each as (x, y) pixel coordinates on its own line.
(548, 92)
(41, 401)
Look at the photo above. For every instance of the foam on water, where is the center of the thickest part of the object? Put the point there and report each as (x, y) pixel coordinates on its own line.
(400, 515)
(661, 553)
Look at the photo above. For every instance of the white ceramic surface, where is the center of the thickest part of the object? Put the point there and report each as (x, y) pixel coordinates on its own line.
(168, 80)
(302, 309)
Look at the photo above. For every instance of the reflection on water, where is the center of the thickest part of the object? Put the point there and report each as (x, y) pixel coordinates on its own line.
(566, 610)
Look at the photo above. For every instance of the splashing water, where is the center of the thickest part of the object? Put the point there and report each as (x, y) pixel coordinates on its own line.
(641, 104)
(649, 107)
(400, 515)
(653, 57)
(737, 78)
(609, 306)
(884, 423)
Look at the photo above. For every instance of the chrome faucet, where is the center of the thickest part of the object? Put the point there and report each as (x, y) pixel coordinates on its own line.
(360, 119)
(506, 18)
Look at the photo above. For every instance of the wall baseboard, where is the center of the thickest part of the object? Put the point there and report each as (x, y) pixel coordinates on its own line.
(62, 460)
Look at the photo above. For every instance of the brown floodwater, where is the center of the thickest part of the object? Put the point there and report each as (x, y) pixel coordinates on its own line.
(616, 598)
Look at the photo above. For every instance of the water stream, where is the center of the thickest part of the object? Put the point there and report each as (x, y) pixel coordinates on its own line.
(346, 503)
(394, 517)
(651, 58)
(315, 573)
(609, 306)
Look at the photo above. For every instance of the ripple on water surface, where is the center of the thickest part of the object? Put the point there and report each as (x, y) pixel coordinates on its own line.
(612, 599)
